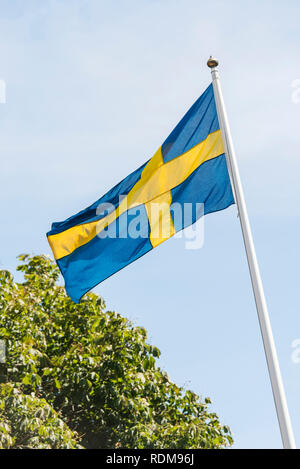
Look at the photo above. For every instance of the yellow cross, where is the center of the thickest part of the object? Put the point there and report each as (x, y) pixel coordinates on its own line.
(154, 187)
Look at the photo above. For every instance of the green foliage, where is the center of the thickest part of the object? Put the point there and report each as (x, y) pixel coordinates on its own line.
(29, 422)
(80, 374)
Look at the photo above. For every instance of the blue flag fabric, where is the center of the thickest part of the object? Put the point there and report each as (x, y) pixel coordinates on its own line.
(148, 206)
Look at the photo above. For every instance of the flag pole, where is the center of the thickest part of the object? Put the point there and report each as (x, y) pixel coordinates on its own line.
(261, 306)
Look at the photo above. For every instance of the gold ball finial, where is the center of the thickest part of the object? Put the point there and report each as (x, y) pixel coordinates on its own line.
(212, 62)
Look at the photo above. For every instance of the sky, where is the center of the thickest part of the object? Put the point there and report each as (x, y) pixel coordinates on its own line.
(93, 88)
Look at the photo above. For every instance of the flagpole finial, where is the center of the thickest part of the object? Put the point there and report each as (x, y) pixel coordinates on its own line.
(212, 62)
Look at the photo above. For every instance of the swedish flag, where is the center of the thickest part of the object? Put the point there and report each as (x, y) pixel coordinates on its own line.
(189, 167)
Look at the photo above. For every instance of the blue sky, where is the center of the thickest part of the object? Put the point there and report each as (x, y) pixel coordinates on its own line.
(92, 90)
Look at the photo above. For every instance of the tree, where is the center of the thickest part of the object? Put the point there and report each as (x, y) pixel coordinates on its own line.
(29, 422)
(77, 375)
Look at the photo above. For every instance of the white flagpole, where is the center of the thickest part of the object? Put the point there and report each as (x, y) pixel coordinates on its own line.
(261, 306)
